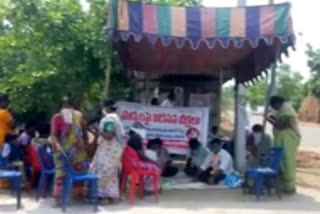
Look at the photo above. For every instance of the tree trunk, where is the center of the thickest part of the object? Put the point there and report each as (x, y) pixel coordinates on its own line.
(107, 75)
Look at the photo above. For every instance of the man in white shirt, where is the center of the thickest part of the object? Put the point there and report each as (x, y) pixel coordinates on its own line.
(170, 101)
(221, 164)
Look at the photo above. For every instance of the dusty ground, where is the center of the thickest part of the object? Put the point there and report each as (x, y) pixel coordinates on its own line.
(309, 169)
(185, 202)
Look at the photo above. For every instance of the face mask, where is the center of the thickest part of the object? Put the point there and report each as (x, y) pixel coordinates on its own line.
(216, 150)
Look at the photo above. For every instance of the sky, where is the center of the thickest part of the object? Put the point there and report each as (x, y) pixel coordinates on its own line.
(306, 18)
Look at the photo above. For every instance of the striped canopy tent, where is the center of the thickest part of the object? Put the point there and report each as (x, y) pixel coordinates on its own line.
(169, 39)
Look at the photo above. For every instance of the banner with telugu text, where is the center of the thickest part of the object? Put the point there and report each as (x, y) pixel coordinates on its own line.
(175, 126)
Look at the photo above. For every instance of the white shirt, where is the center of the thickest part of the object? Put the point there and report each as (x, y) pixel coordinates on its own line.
(222, 161)
(151, 154)
(167, 103)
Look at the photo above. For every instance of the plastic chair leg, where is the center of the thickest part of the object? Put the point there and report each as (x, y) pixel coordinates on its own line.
(156, 184)
(41, 185)
(245, 184)
(66, 194)
(18, 191)
(278, 186)
(123, 184)
(133, 185)
(258, 186)
(141, 186)
(94, 187)
(268, 184)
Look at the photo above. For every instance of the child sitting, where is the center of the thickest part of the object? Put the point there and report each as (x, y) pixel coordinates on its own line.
(11, 151)
(39, 142)
(11, 154)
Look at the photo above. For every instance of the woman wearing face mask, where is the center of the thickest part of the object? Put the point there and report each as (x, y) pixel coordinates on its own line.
(107, 158)
(287, 136)
(68, 136)
(221, 164)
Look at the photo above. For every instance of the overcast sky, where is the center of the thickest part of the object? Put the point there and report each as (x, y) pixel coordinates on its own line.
(306, 18)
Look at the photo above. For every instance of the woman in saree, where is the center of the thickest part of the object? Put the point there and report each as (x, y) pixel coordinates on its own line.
(107, 159)
(68, 136)
(287, 136)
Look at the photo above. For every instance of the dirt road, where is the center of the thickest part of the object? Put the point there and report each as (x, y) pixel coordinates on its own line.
(310, 134)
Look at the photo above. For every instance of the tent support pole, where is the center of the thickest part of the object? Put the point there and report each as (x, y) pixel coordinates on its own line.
(272, 87)
(240, 132)
(220, 98)
(147, 87)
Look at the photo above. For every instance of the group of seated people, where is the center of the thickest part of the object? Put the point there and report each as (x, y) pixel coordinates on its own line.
(209, 164)
(20, 152)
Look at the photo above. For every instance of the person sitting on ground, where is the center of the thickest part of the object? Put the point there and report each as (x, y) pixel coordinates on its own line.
(199, 159)
(257, 144)
(157, 152)
(170, 101)
(221, 164)
(134, 151)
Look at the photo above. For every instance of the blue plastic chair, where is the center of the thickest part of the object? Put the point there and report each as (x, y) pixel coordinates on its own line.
(46, 174)
(3, 162)
(263, 175)
(15, 179)
(71, 177)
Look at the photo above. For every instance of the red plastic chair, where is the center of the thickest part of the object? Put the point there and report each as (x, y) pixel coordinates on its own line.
(131, 168)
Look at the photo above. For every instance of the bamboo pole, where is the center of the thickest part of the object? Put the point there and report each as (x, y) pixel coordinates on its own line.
(220, 97)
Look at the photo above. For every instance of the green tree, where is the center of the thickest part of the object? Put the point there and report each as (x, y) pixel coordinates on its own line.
(289, 86)
(53, 48)
(314, 65)
(257, 94)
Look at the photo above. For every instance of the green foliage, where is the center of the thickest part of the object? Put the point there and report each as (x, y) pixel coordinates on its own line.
(289, 86)
(228, 98)
(49, 49)
(257, 94)
(314, 65)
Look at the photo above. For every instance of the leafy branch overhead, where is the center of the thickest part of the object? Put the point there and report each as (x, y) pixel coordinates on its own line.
(53, 48)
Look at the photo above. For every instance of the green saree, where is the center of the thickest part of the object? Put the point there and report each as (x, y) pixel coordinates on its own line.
(287, 137)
